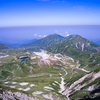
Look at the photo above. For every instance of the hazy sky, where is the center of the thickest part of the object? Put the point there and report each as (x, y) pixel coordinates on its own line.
(49, 12)
(31, 32)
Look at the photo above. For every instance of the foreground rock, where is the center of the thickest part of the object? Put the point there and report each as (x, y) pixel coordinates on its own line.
(9, 95)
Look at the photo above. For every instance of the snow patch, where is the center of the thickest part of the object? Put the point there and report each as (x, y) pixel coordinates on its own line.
(20, 89)
(37, 93)
(46, 87)
(23, 84)
(62, 87)
(12, 86)
(76, 45)
(27, 89)
(78, 65)
(56, 82)
(48, 96)
(32, 85)
(82, 46)
(14, 82)
(85, 70)
(6, 82)
(4, 56)
(60, 74)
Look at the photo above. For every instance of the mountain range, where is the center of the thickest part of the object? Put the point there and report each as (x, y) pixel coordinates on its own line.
(74, 41)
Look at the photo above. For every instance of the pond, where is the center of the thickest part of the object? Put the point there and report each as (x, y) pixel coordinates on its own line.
(23, 58)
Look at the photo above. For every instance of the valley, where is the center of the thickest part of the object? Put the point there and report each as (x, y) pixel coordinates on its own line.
(59, 72)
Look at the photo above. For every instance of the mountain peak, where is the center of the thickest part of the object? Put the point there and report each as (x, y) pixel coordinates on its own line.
(55, 35)
(79, 43)
(46, 42)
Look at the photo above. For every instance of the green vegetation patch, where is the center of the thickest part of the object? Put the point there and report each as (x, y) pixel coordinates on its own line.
(6, 73)
(79, 94)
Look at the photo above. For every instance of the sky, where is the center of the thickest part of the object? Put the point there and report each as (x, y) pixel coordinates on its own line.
(49, 12)
(35, 19)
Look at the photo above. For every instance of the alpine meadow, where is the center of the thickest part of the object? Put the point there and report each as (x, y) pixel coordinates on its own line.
(49, 50)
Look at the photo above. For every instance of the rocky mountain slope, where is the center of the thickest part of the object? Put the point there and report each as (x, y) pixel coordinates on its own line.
(46, 42)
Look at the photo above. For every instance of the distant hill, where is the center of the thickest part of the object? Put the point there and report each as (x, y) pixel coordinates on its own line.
(76, 42)
(3, 46)
(16, 43)
(46, 42)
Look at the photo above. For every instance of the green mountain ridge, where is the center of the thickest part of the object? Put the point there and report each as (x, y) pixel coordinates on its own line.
(46, 42)
(82, 44)
(75, 41)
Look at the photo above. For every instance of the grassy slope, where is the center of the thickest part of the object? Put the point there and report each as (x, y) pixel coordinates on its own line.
(22, 71)
(46, 42)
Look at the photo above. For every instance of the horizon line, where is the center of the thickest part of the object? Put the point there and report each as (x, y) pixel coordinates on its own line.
(49, 25)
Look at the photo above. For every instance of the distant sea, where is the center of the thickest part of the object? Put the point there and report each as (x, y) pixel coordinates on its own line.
(91, 32)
